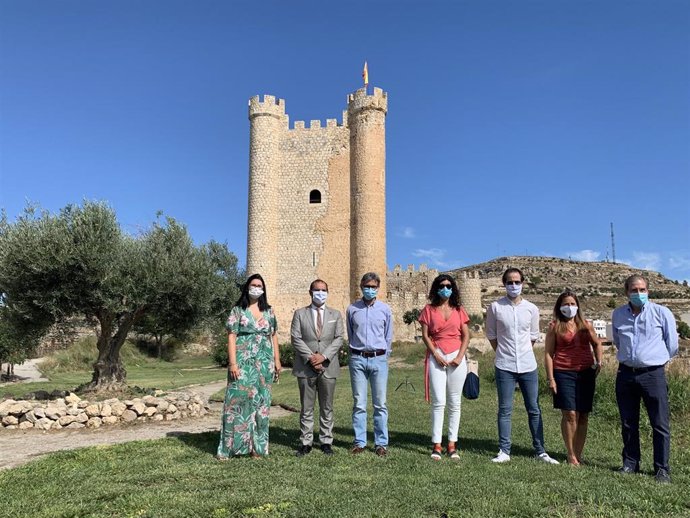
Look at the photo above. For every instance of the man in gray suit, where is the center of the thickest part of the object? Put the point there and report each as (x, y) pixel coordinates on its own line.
(317, 335)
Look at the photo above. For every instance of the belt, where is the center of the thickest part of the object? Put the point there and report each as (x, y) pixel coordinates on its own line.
(627, 368)
(365, 354)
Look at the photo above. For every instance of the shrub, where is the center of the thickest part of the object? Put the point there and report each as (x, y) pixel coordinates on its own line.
(219, 346)
(477, 320)
(612, 303)
(82, 354)
(683, 329)
(169, 350)
(287, 355)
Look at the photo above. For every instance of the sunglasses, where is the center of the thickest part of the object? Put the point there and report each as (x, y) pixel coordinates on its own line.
(513, 283)
(446, 285)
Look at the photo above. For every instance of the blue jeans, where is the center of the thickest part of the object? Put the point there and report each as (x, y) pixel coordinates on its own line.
(373, 371)
(529, 386)
(651, 388)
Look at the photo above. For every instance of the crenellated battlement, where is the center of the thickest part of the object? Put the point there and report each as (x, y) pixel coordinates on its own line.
(315, 124)
(360, 100)
(269, 106)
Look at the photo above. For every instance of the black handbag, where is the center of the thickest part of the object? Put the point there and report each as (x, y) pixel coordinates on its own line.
(471, 387)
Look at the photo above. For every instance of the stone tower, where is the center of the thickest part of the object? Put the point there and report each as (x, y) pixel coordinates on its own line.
(366, 116)
(266, 122)
(316, 201)
(470, 288)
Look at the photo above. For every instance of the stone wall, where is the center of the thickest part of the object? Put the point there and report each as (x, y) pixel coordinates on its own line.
(73, 412)
(408, 289)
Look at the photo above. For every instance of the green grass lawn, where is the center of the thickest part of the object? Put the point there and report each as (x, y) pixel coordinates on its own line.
(145, 373)
(178, 476)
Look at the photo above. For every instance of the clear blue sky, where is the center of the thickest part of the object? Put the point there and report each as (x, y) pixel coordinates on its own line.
(513, 127)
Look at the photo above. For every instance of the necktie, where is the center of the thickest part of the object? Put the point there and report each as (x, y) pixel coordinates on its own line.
(319, 323)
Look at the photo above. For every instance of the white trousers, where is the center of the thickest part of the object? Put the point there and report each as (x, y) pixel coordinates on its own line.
(445, 387)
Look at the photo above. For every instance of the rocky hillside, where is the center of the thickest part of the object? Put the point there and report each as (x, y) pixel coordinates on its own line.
(598, 284)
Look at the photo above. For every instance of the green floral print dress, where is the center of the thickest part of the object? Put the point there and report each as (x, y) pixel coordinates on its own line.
(244, 427)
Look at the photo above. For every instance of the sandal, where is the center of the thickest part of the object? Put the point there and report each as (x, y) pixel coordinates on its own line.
(436, 454)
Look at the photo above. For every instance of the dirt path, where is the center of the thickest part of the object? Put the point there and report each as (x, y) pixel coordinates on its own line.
(19, 447)
(28, 372)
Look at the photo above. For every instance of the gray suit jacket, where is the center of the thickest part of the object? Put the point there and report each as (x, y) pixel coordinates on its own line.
(305, 342)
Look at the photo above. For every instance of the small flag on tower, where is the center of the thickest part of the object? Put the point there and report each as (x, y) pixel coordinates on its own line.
(365, 74)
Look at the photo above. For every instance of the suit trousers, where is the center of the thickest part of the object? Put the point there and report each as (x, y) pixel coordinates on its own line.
(309, 388)
(651, 388)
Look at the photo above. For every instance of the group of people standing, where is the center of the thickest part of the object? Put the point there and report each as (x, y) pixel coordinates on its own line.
(643, 332)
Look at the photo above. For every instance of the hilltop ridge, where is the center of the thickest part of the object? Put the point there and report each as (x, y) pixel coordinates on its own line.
(599, 284)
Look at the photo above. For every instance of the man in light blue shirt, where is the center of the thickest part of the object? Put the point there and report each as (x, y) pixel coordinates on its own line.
(646, 338)
(370, 332)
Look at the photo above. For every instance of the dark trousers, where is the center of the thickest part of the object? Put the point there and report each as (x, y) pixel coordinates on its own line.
(650, 387)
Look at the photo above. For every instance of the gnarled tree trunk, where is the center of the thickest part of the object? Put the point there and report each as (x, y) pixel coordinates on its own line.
(108, 371)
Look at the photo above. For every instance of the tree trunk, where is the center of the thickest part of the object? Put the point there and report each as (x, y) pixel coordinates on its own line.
(108, 375)
(108, 371)
(159, 344)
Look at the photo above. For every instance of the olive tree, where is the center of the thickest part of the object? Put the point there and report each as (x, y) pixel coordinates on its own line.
(80, 262)
(175, 318)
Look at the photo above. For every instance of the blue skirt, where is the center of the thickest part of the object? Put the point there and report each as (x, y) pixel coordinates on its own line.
(574, 390)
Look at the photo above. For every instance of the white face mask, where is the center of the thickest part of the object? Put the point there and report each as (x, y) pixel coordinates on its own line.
(513, 290)
(569, 311)
(319, 297)
(255, 292)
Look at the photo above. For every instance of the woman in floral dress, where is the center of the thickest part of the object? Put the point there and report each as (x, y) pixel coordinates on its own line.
(254, 363)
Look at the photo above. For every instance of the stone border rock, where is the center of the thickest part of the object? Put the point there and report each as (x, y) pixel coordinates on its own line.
(74, 412)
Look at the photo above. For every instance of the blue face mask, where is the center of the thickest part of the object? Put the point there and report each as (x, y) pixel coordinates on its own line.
(319, 297)
(445, 293)
(639, 299)
(369, 293)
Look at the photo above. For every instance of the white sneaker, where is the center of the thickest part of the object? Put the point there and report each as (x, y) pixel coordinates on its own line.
(544, 457)
(501, 457)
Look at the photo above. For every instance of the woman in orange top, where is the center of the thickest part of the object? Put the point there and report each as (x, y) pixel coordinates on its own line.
(446, 335)
(571, 371)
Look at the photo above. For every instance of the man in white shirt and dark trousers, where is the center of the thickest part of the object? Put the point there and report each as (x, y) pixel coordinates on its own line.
(512, 328)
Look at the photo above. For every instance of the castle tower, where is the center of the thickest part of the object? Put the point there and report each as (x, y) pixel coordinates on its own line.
(470, 288)
(366, 117)
(267, 124)
(306, 221)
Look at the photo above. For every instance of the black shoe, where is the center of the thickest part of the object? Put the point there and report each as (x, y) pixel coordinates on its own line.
(303, 450)
(662, 476)
(627, 470)
(327, 449)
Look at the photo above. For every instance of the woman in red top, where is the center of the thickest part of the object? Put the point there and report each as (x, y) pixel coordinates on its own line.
(571, 371)
(446, 335)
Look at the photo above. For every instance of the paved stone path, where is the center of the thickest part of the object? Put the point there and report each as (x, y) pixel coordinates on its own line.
(19, 447)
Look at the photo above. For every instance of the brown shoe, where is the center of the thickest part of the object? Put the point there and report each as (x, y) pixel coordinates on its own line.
(381, 451)
(356, 450)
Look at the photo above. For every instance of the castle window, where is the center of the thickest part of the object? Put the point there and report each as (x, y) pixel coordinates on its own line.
(315, 196)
